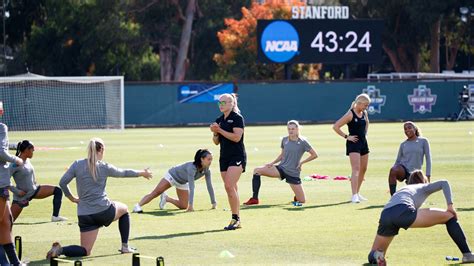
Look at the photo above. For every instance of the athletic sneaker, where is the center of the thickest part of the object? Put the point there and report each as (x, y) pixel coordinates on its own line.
(55, 251)
(361, 198)
(234, 224)
(355, 198)
(58, 219)
(251, 201)
(137, 209)
(163, 200)
(297, 204)
(379, 257)
(468, 258)
(124, 250)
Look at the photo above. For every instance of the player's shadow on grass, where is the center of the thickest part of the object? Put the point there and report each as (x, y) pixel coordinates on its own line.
(465, 209)
(87, 259)
(31, 223)
(262, 206)
(302, 208)
(163, 212)
(372, 207)
(177, 235)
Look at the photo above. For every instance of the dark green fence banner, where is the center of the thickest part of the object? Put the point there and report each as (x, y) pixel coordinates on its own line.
(155, 104)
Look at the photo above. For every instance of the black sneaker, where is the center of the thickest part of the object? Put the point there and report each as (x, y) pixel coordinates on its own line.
(234, 224)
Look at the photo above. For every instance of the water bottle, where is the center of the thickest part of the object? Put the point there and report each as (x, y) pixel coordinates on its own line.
(451, 258)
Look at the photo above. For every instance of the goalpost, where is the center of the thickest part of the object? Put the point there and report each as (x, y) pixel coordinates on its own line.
(56, 103)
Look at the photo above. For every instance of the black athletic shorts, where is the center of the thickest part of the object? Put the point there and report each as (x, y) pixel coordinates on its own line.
(26, 202)
(5, 193)
(97, 220)
(394, 218)
(407, 174)
(225, 163)
(360, 146)
(289, 179)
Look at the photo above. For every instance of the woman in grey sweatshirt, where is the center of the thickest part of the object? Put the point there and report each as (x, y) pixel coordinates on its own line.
(403, 211)
(26, 187)
(94, 208)
(410, 156)
(182, 177)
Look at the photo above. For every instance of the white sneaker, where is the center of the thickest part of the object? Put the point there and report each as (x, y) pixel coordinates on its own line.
(58, 219)
(137, 209)
(361, 198)
(124, 250)
(468, 258)
(379, 257)
(163, 200)
(355, 198)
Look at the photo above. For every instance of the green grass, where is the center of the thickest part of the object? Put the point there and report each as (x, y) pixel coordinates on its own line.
(327, 230)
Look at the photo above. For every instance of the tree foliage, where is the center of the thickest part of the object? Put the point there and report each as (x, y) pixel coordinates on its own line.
(410, 28)
(239, 42)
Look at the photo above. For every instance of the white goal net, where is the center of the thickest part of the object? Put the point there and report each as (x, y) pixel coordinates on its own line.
(57, 103)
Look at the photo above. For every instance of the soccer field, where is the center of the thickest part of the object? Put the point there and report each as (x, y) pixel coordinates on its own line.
(328, 229)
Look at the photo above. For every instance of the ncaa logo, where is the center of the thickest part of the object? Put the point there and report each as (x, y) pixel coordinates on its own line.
(280, 41)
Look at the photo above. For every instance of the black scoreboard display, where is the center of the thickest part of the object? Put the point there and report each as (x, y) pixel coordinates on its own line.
(338, 41)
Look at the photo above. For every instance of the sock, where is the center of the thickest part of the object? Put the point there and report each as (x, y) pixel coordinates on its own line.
(11, 253)
(235, 217)
(3, 257)
(393, 189)
(457, 235)
(58, 196)
(73, 251)
(124, 227)
(256, 182)
(371, 258)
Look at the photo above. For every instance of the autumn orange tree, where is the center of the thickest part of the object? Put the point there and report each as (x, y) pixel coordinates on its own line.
(239, 43)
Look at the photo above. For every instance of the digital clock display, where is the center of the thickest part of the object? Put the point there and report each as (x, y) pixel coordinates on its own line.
(319, 41)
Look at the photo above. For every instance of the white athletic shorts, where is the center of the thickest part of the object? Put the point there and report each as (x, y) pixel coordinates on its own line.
(171, 180)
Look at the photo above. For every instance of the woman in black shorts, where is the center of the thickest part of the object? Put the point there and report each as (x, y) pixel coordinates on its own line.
(94, 209)
(403, 211)
(357, 148)
(27, 189)
(228, 131)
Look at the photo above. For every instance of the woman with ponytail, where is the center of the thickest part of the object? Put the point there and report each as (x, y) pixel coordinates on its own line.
(94, 209)
(6, 219)
(182, 177)
(228, 132)
(26, 187)
(357, 148)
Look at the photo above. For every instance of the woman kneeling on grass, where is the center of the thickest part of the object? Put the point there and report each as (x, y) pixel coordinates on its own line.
(94, 209)
(26, 188)
(402, 211)
(292, 149)
(182, 177)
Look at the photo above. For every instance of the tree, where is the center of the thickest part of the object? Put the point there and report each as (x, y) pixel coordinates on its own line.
(89, 38)
(239, 43)
(409, 26)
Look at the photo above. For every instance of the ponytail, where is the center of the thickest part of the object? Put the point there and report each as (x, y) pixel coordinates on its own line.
(201, 153)
(235, 106)
(95, 146)
(22, 146)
